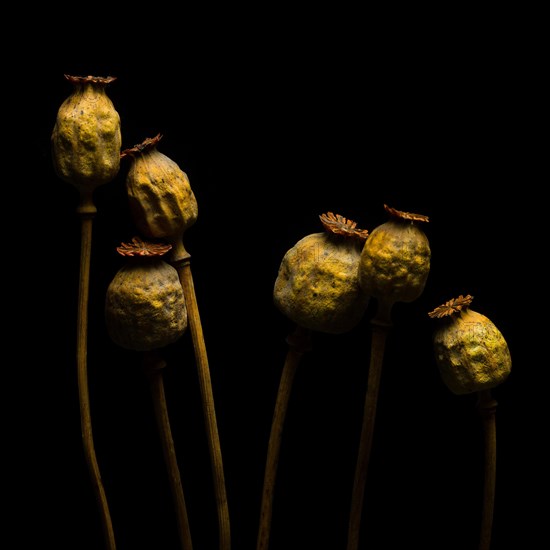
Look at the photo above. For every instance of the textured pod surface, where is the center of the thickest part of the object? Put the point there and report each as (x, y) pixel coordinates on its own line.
(161, 200)
(144, 306)
(471, 353)
(395, 261)
(317, 285)
(86, 138)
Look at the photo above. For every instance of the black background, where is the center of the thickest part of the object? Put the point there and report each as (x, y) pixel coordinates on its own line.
(274, 128)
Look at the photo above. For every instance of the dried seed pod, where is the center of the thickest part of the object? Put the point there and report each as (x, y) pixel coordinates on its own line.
(144, 305)
(86, 137)
(470, 351)
(317, 285)
(161, 200)
(395, 260)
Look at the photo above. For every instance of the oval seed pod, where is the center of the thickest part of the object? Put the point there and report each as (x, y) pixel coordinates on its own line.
(144, 305)
(86, 137)
(395, 260)
(162, 202)
(470, 351)
(317, 284)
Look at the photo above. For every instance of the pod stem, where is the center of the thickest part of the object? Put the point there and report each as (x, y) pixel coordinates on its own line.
(298, 343)
(153, 366)
(381, 325)
(487, 409)
(87, 211)
(181, 261)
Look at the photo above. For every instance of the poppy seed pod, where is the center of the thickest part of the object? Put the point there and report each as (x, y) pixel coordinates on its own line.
(470, 351)
(161, 200)
(86, 136)
(144, 305)
(395, 260)
(317, 285)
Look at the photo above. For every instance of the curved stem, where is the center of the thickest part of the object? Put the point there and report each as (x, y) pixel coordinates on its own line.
(298, 344)
(153, 367)
(181, 261)
(487, 409)
(87, 212)
(381, 326)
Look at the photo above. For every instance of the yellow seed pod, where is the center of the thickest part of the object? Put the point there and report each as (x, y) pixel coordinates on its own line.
(395, 261)
(144, 305)
(317, 285)
(86, 137)
(470, 351)
(161, 200)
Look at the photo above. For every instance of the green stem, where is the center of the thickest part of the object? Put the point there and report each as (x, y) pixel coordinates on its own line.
(381, 326)
(87, 212)
(298, 344)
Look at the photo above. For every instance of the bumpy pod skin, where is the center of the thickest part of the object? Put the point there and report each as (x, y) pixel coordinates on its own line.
(395, 261)
(317, 286)
(161, 200)
(86, 138)
(144, 305)
(471, 353)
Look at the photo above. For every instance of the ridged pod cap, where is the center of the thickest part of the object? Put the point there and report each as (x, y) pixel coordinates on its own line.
(470, 351)
(144, 305)
(161, 200)
(86, 137)
(395, 261)
(317, 285)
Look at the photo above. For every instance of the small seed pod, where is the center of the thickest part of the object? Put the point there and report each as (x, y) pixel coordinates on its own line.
(317, 285)
(144, 305)
(395, 260)
(86, 136)
(471, 353)
(161, 200)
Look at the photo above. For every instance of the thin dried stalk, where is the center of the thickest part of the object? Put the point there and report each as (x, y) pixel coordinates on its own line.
(153, 368)
(181, 261)
(87, 212)
(381, 326)
(298, 344)
(487, 409)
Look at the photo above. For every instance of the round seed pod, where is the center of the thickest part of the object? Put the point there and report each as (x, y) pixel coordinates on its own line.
(86, 137)
(144, 305)
(317, 284)
(395, 260)
(161, 200)
(470, 351)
